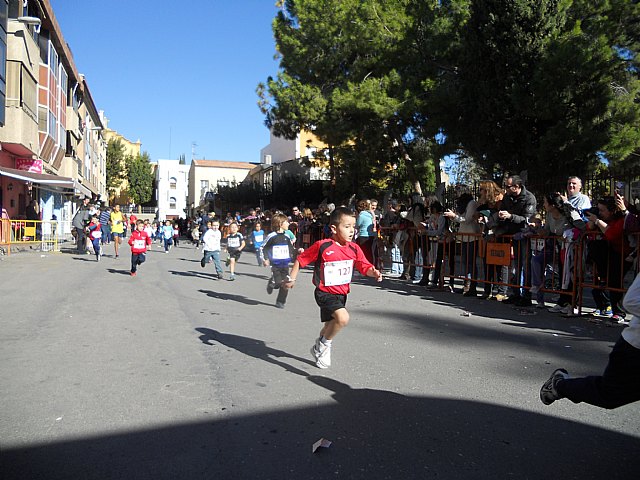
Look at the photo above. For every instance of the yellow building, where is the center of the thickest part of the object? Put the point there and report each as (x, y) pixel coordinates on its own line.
(119, 195)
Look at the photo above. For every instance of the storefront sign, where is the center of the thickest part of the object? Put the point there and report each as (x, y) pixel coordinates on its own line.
(29, 165)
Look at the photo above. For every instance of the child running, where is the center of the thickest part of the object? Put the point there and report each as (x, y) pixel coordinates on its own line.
(211, 241)
(167, 235)
(95, 233)
(139, 241)
(278, 252)
(257, 236)
(334, 260)
(235, 245)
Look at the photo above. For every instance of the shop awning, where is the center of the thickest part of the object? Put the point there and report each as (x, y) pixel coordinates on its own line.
(56, 182)
(42, 178)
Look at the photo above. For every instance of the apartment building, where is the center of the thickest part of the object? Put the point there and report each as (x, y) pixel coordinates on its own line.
(172, 188)
(51, 145)
(291, 158)
(205, 176)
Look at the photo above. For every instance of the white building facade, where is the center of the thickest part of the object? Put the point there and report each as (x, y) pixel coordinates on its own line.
(172, 188)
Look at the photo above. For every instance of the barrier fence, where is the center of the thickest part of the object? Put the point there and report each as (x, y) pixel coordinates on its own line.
(538, 264)
(46, 234)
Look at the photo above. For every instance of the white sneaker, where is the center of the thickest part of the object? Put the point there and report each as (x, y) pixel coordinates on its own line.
(557, 309)
(568, 311)
(322, 354)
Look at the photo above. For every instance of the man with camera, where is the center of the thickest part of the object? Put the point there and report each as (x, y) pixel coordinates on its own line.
(80, 222)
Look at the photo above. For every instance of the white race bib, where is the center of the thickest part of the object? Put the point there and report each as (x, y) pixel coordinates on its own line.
(96, 233)
(280, 252)
(139, 244)
(338, 273)
(233, 242)
(258, 238)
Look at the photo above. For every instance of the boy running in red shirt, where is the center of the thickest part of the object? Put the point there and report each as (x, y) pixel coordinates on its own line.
(139, 241)
(334, 260)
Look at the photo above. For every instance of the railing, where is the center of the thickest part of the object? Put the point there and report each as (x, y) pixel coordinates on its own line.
(45, 233)
(539, 264)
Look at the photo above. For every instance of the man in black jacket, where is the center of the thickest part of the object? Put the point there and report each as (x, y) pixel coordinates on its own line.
(518, 206)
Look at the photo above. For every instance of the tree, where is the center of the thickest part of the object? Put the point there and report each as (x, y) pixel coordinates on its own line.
(337, 75)
(545, 85)
(140, 178)
(115, 165)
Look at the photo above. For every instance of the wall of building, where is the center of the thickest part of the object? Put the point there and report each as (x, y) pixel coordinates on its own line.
(280, 149)
(172, 182)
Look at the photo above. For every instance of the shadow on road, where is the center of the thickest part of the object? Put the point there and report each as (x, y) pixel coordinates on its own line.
(234, 298)
(254, 348)
(208, 276)
(121, 272)
(376, 434)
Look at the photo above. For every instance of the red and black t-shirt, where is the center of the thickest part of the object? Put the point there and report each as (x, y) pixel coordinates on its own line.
(334, 264)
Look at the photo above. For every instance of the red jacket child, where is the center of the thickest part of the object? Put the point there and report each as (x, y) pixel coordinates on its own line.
(139, 240)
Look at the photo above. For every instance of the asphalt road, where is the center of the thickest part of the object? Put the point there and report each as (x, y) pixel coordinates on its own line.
(175, 374)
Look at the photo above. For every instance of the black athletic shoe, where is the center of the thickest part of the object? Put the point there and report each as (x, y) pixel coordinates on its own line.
(202, 263)
(548, 392)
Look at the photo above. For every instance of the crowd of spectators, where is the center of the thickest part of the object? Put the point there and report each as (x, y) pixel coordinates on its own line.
(420, 237)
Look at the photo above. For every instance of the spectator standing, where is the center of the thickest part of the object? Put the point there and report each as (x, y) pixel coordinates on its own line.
(80, 222)
(365, 229)
(610, 257)
(576, 198)
(490, 200)
(560, 221)
(518, 206)
(466, 215)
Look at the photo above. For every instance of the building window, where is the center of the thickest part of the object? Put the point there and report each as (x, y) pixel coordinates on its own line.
(172, 203)
(173, 183)
(204, 185)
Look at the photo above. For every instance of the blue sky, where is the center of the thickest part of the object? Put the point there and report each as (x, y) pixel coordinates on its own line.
(172, 73)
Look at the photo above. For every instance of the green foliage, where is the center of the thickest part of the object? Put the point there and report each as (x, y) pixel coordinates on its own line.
(140, 178)
(115, 165)
(510, 85)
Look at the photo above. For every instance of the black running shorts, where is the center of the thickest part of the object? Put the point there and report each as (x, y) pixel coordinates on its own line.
(329, 303)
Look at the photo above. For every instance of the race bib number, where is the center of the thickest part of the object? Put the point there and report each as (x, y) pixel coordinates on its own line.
(233, 242)
(258, 238)
(280, 252)
(338, 273)
(139, 244)
(96, 234)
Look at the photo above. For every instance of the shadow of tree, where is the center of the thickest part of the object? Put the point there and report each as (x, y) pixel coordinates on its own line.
(376, 434)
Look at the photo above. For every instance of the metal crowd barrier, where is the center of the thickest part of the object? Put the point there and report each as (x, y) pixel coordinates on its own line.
(30, 232)
(504, 262)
